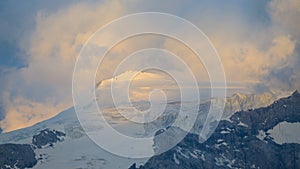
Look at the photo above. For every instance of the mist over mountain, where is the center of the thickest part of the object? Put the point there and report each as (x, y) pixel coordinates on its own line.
(232, 145)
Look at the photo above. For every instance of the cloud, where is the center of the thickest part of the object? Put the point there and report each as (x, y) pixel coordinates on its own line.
(285, 15)
(23, 112)
(257, 43)
(244, 61)
(43, 88)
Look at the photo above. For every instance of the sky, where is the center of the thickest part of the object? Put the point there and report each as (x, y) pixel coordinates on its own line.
(257, 41)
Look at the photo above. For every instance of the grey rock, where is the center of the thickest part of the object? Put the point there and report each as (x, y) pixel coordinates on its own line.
(47, 137)
(16, 156)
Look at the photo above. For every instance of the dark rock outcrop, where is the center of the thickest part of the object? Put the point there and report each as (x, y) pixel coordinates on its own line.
(16, 155)
(235, 144)
(22, 155)
(47, 137)
(133, 166)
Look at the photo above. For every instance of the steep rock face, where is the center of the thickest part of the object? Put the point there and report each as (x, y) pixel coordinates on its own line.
(235, 143)
(16, 156)
(235, 103)
(287, 109)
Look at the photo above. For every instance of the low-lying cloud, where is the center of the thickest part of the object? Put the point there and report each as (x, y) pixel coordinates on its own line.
(260, 52)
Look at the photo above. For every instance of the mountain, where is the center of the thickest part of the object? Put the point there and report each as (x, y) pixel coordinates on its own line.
(244, 141)
(239, 101)
(60, 142)
(234, 103)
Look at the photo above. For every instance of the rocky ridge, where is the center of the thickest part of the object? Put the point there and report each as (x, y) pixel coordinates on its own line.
(235, 142)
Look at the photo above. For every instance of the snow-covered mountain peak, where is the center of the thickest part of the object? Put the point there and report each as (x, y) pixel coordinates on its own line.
(145, 77)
